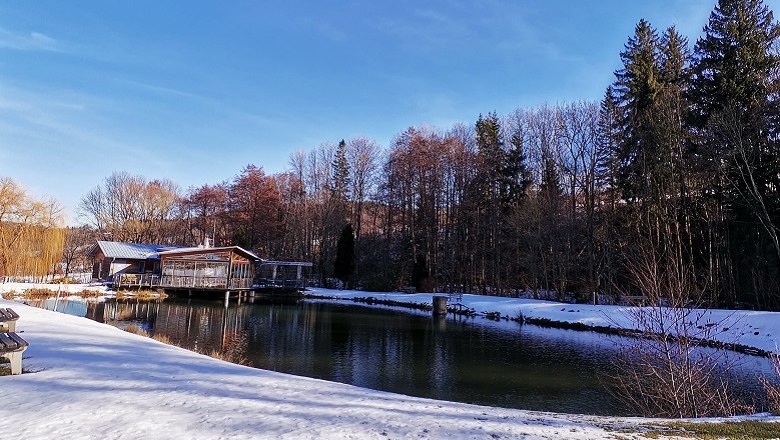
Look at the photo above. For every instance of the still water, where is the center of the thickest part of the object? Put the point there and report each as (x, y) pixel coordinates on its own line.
(459, 359)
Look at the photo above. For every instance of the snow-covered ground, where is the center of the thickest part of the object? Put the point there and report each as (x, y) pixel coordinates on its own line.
(92, 381)
(88, 380)
(759, 330)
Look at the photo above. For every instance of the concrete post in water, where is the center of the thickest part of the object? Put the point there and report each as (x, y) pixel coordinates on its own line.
(439, 306)
(227, 298)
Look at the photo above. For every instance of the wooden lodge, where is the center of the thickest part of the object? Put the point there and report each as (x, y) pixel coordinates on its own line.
(228, 268)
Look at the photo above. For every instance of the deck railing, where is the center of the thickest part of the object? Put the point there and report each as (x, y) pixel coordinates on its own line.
(180, 282)
(136, 280)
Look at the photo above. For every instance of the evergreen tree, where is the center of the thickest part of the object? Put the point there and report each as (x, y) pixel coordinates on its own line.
(491, 185)
(490, 147)
(608, 143)
(636, 89)
(515, 174)
(734, 61)
(420, 273)
(344, 266)
(341, 176)
(734, 98)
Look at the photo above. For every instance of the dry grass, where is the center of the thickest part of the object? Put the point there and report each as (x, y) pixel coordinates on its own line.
(86, 293)
(745, 430)
(234, 348)
(65, 280)
(141, 295)
(164, 339)
(38, 293)
(136, 330)
(9, 295)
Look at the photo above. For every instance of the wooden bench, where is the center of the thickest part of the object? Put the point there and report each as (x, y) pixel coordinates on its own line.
(8, 320)
(11, 347)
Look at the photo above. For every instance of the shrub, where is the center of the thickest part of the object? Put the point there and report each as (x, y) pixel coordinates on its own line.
(773, 389)
(142, 294)
(233, 350)
(86, 293)
(65, 280)
(37, 293)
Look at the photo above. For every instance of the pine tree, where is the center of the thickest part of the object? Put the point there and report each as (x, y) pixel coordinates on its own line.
(344, 266)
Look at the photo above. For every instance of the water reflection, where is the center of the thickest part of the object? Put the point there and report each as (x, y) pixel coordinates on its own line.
(500, 364)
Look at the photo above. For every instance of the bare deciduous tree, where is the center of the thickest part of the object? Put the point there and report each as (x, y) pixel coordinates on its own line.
(128, 208)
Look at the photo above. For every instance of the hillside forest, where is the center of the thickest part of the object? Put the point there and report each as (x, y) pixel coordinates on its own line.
(668, 187)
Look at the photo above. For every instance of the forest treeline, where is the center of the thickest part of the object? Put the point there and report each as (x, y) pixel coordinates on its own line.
(667, 187)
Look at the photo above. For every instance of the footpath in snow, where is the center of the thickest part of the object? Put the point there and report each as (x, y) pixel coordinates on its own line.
(86, 380)
(759, 330)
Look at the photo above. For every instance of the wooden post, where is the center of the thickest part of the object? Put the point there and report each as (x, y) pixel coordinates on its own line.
(227, 298)
(439, 306)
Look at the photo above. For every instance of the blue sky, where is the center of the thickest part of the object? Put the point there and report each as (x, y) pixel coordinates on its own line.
(194, 91)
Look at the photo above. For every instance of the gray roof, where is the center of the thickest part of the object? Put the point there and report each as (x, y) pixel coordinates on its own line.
(131, 251)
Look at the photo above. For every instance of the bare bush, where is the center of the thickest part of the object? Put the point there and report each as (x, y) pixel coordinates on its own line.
(666, 371)
(233, 349)
(773, 389)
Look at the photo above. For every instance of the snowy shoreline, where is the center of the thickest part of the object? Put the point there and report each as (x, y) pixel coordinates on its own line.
(746, 328)
(90, 380)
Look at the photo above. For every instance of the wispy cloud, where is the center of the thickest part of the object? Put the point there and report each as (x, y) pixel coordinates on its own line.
(32, 41)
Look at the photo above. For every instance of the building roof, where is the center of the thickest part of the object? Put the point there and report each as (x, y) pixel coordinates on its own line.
(130, 251)
(202, 250)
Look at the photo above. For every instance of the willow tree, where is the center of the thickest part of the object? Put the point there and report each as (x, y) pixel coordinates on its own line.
(31, 238)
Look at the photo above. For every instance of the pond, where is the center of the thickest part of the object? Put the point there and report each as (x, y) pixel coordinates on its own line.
(458, 359)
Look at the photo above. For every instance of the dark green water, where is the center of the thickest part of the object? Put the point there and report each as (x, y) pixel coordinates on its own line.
(472, 360)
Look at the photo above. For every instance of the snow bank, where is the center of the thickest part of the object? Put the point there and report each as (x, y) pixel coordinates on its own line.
(759, 330)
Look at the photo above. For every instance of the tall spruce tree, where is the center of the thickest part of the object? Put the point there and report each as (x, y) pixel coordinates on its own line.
(515, 174)
(490, 185)
(608, 143)
(340, 180)
(636, 89)
(735, 115)
(344, 265)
